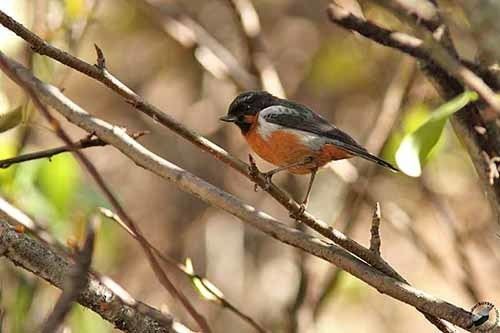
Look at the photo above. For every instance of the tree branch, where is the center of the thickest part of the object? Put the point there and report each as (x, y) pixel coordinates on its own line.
(465, 121)
(157, 269)
(218, 198)
(86, 142)
(38, 258)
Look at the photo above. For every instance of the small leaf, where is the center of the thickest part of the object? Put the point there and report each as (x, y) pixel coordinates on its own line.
(417, 145)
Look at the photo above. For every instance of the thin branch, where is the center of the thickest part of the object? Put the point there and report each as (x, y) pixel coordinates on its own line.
(464, 122)
(41, 260)
(427, 49)
(77, 281)
(184, 270)
(294, 208)
(218, 198)
(157, 269)
(86, 142)
(113, 83)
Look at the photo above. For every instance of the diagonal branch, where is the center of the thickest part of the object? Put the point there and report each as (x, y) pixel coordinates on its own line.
(127, 315)
(465, 121)
(137, 101)
(157, 269)
(218, 198)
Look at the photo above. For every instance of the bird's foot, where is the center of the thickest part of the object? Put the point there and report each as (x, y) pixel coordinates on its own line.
(255, 173)
(299, 213)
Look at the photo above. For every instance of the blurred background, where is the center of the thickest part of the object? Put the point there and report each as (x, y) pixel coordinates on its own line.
(437, 228)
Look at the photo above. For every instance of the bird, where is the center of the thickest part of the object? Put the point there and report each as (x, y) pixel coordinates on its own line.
(291, 136)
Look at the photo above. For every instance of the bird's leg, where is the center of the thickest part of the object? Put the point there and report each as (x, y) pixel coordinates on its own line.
(304, 203)
(272, 172)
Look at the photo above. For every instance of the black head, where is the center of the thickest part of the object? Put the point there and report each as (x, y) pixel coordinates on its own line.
(245, 107)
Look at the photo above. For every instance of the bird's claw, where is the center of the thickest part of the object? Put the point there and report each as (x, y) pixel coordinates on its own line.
(299, 213)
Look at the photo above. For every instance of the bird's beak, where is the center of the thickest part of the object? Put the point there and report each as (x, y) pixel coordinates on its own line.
(228, 119)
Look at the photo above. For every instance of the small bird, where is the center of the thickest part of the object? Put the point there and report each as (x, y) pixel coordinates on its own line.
(292, 136)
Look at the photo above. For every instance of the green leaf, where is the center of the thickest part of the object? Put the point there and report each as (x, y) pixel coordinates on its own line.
(417, 145)
(59, 179)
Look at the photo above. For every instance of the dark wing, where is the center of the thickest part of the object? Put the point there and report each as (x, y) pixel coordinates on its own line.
(300, 117)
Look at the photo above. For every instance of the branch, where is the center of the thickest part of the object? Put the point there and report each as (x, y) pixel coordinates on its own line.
(86, 142)
(216, 295)
(77, 281)
(465, 121)
(38, 258)
(157, 269)
(218, 198)
(114, 84)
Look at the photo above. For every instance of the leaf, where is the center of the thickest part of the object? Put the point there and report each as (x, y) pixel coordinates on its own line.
(417, 145)
(59, 179)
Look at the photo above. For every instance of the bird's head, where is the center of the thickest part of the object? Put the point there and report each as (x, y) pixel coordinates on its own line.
(245, 107)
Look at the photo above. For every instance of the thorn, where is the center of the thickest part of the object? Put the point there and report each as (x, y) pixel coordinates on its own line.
(101, 61)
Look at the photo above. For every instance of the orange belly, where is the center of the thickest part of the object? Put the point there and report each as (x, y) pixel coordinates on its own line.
(283, 148)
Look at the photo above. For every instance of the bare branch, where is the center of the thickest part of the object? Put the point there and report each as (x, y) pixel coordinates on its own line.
(86, 142)
(113, 83)
(38, 258)
(76, 283)
(218, 198)
(157, 269)
(183, 269)
(465, 121)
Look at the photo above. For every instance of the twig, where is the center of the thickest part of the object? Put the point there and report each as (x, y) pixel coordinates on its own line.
(374, 231)
(77, 280)
(218, 198)
(465, 121)
(86, 142)
(427, 49)
(53, 267)
(183, 269)
(113, 83)
(7, 68)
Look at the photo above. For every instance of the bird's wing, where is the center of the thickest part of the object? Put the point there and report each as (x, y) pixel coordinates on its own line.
(293, 115)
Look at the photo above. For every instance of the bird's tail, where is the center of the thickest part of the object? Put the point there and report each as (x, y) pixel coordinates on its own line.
(363, 153)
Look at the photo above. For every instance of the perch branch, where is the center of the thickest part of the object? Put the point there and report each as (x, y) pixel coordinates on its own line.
(102, 75)
(157, 269)
(223, 200)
